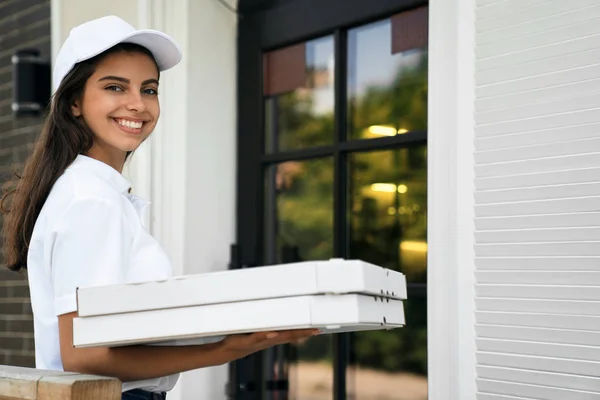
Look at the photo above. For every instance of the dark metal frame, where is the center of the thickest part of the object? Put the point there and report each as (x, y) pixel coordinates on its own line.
(288, 22)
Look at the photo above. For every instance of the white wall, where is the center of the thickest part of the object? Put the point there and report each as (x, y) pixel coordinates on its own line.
(69, 13)
(537, 199)
(211, 136)
(187, 168)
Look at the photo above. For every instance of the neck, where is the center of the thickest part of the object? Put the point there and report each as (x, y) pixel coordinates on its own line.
(115, 159)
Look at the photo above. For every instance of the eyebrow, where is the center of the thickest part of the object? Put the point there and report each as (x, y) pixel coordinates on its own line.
(125, 80)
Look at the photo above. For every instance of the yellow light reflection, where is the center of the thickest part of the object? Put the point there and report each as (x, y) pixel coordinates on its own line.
(386, 130)
(402, 189)
(407, 245)
(383, 130)
(383, 187)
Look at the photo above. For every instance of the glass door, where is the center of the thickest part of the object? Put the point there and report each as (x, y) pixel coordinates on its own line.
(299, 128)
(387, 191)
(333, 163)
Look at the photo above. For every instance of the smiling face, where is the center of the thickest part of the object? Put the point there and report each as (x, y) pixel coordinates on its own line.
(120, 105)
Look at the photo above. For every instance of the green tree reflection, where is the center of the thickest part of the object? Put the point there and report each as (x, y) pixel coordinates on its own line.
(377, 227)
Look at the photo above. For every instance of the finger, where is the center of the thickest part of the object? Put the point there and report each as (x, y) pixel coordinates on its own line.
(289, 337)
(288, 334)
(252, 339)
(265, 336)
(301, 333)
(265, 340)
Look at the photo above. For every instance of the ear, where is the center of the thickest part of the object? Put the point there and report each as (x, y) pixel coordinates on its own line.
(76, 109)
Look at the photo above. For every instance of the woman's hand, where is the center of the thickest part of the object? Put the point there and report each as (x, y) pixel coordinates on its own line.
(239, 346)
(134, 363)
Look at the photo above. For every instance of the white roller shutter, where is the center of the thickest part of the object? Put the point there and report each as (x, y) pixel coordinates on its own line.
(537, 199)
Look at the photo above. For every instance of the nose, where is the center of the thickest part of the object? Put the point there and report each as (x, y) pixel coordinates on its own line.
(135, 102)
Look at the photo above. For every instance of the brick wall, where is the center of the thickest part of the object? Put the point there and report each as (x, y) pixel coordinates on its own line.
(23, 24)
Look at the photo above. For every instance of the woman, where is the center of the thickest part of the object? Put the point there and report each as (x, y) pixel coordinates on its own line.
(73, 223)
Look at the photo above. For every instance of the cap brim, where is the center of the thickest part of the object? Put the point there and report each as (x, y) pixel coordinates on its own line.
(165, 50)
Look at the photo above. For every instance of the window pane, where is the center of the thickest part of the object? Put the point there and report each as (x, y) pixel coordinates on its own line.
(387, 83)
(299, 227)
(299, 211)
(299, 96)
(311, 371)
(307, 368)
(388, 223)
(391, 365)
(388, 227)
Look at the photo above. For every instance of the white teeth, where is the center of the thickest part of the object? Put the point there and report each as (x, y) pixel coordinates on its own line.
(129, 124)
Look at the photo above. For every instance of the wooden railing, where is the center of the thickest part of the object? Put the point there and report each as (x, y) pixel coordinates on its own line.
(18, 383)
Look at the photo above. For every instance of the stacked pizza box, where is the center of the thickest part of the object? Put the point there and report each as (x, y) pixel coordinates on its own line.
(335, 296)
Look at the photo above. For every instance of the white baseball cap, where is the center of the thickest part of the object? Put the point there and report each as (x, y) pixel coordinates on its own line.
(94, 37)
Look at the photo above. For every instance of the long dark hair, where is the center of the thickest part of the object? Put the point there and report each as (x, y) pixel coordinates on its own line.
(62, 138)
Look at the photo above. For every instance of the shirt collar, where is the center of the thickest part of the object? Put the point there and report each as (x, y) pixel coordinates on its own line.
(105, 171)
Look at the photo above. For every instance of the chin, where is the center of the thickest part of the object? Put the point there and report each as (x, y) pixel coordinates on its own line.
(127, 147)
(131, 144)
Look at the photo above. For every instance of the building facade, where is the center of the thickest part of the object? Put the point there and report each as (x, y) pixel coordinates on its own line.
(454, 140)
(23, 25)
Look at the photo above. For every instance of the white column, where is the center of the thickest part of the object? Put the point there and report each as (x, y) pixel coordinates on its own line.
(450, 189)
(159, 170)
(193, 153)
(210, 159)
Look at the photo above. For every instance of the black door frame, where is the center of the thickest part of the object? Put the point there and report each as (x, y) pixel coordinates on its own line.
(277, 24)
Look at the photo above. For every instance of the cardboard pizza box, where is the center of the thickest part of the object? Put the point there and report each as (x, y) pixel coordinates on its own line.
(332, 313)
(335, 276)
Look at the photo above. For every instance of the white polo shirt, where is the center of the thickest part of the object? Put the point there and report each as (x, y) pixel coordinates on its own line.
(89, 233)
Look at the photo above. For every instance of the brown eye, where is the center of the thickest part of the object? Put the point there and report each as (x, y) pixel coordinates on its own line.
(114, 88)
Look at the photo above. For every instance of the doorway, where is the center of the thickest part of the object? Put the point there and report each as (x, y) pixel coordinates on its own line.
(332, 162)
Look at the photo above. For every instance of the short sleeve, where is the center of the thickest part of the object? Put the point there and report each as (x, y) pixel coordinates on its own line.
(91, 248)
